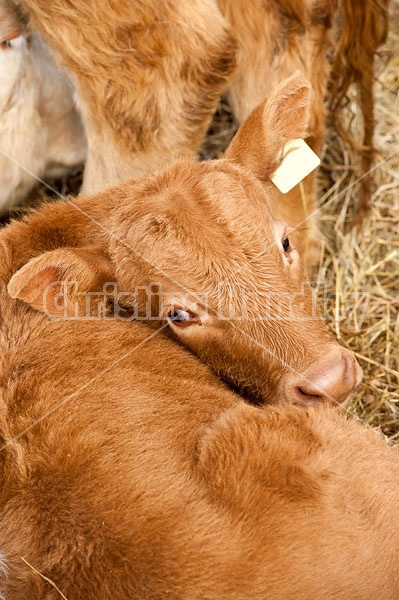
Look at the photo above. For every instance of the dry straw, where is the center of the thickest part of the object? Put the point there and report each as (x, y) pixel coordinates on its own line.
(363, 264)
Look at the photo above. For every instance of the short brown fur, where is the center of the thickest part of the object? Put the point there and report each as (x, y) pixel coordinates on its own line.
(149, 76)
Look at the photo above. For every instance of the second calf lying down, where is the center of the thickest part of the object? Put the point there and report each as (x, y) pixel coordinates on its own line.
(232, 287)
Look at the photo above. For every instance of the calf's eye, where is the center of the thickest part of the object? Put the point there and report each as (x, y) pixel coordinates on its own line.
(286, 243)
(13, 39)
(182, 317)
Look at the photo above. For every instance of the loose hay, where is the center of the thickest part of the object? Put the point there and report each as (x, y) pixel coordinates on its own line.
(363, 265)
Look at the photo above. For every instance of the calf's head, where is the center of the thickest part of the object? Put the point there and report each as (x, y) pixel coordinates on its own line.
(195, 248)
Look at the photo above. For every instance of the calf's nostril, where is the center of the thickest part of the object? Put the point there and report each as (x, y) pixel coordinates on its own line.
(331, 378)
(301, 395)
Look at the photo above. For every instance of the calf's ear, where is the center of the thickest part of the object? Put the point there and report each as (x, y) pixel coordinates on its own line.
(259, 142)
(55, 282)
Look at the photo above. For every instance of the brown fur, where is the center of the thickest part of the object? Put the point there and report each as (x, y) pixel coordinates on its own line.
(149, 76)
(128, 469)
(275, 39)
(128, 489)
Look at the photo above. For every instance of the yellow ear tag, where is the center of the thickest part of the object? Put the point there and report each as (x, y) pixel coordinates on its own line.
(298, 161)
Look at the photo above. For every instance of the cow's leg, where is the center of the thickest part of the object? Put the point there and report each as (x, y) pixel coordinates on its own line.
(148, 76)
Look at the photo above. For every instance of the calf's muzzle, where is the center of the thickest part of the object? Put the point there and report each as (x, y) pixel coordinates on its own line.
(331, 378)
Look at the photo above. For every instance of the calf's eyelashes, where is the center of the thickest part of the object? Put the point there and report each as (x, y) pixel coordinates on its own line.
(181, 317)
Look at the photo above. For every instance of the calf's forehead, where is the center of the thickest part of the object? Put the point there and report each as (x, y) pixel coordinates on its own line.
(238, 196)
(212, 206)
(204, 223)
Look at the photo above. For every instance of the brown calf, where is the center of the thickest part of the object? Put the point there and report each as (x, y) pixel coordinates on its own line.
(128, 469)
(232, 284)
